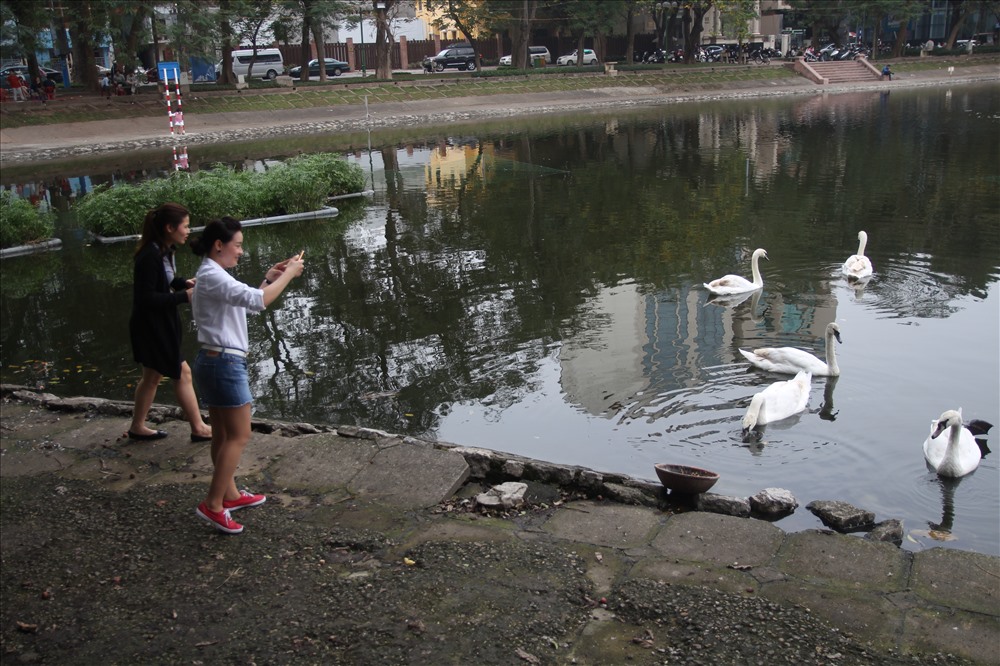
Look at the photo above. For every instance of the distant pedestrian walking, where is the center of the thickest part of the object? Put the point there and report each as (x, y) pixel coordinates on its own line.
(887, 72)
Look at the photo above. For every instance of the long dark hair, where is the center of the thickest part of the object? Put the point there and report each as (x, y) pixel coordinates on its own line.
(222, 229)
(154, 227)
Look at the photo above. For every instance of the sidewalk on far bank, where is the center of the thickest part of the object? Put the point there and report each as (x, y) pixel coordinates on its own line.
(371, 549)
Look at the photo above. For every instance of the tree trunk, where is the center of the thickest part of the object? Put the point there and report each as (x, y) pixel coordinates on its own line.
(518, 44)
(83, 48)
(226, 28)
(317, 31)
(453, 15)
(958, 13)
(629, 34)
(692, 31)
(520, 33)
(579, 50)
(305, 53)
(897, 48)
(383, 44)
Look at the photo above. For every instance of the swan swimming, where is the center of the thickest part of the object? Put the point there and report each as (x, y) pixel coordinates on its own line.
(858, 266)
(778, 401)
(789, 360)
(957, 456)
(736, 284)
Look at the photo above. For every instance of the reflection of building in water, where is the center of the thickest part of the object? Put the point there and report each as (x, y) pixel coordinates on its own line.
(452, 163)
(755, 134)
(625, 343)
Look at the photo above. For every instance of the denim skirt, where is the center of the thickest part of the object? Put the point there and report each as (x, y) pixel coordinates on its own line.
(221, 379)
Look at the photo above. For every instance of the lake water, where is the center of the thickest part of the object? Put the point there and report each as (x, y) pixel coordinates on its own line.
(536, 287)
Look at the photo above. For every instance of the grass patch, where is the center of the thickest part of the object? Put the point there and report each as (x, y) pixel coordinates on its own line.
(21, 222)
(299, 185)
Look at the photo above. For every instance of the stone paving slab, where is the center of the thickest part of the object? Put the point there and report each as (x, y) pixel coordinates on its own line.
(827, 558)
(959, 579)
(696, 574)
(409, 476)
(860, 612)
(321, 463)
(719, 540)
(616, 526)
(970, 635)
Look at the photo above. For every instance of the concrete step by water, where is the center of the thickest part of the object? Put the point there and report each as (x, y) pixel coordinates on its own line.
(844, 71)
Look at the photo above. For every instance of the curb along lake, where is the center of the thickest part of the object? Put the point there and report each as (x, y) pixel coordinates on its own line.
(535, 287)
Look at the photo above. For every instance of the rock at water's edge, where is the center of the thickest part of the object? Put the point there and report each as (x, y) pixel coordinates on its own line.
(890, 531)
(730, 506)
(842, 516)
(773, 502)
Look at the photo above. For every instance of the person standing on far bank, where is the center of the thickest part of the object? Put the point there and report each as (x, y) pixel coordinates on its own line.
(220, 307)
(155, 326)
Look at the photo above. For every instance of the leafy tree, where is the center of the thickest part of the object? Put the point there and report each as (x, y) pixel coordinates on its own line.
(26, 20)
(736, 15)
(589, 17)
(960, 10)
(517, 17)
(246, 20)
(384, 39)
(876, 12)
(471, 17)
(197, 30)
(825, 16)
(693, 22)
(127, 22)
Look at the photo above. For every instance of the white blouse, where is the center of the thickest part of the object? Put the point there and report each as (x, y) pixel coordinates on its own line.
(220, 303)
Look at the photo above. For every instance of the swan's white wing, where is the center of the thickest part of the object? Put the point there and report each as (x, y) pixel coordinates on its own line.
(786, 360)
(857, 266)
(730, 284)
(783, 399)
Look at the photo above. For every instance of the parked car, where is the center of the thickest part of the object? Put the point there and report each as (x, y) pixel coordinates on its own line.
(22, 71)
(334, 67)
(533, 52)
(589, 58)
(460, 56)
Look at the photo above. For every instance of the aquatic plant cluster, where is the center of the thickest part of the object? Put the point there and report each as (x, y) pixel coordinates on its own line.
(22, 223)
(298, 185)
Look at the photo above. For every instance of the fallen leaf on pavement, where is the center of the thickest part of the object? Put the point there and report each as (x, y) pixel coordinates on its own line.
(527, 656)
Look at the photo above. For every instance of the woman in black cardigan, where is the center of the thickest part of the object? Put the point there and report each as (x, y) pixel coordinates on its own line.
(155, 326)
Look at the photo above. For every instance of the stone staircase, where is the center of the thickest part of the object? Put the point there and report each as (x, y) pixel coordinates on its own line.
(845, 71)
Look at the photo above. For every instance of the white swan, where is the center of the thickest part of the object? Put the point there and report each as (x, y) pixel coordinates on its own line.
(778, 401)
(735, 284)
(858, 266)
(957, 456)
(789, 360)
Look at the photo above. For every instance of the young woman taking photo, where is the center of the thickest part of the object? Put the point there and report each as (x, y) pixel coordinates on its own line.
(220, 307)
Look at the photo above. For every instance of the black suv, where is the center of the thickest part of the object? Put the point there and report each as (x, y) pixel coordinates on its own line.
(457, 55)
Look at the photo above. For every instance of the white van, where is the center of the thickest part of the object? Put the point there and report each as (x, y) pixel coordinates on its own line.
(267, 65)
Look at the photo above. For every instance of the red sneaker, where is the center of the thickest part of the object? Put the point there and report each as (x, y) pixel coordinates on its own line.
(246, 499)
(220, 520)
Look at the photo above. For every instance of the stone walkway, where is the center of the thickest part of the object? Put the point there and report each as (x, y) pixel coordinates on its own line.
(900, 603)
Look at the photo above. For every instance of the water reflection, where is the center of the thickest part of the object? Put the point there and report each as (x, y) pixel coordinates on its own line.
(538, 289)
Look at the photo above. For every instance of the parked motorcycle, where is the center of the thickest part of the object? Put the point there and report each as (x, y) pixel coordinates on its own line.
(656, 56)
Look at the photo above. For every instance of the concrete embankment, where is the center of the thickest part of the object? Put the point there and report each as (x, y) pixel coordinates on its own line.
(371, 549)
